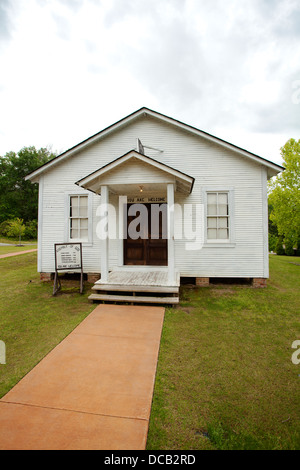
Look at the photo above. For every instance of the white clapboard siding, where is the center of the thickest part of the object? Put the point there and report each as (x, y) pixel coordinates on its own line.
(210, 164)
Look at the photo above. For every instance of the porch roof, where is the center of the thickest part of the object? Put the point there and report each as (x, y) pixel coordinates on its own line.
(131, 171)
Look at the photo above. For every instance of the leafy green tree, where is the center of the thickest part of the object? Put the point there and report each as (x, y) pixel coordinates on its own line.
(19, 198)
(31, 230)
(289, 247)
(16, 229)
(284, 196)
(279, 246)
(273, 232)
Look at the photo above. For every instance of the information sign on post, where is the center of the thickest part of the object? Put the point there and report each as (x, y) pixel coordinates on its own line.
(68, 256)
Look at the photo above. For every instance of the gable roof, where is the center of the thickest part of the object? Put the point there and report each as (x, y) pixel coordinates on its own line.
(92, 181)
(273, 168)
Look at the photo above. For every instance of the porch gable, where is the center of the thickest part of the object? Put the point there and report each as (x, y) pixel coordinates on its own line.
(133, 173)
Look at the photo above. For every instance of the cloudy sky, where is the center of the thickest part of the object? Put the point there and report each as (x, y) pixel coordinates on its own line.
(69, 68)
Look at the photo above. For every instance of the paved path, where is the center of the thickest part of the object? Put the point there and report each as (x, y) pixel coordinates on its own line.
(7, 255)
(93, 391)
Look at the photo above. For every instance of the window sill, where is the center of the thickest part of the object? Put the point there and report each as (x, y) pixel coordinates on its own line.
(82, 242)
(219, 245)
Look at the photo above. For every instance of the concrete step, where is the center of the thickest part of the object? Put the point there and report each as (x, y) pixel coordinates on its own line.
(134, 299)
(133, 288)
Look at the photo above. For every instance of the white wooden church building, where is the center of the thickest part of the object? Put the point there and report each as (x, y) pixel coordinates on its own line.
(207, 196)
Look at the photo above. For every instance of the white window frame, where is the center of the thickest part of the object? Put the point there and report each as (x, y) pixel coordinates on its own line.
(230, 242)
(67, 236)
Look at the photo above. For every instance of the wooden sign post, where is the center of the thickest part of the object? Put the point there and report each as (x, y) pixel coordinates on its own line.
(68, 256)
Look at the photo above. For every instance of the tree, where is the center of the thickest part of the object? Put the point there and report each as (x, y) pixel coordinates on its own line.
(273, 232)
(279, 246)
(19, 198)
(284, 195)
(289, 247)
(16, 229)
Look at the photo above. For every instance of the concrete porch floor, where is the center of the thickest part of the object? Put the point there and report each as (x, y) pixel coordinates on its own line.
(93, 391)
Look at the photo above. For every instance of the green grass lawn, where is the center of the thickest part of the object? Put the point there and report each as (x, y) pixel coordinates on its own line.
(15, 249)
(225, 379)
(15, 241)
(32, 322)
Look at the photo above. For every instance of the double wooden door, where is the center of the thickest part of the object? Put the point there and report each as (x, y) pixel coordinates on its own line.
(146, 241)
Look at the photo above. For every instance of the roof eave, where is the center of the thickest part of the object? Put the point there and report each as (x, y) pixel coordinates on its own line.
(33, 176)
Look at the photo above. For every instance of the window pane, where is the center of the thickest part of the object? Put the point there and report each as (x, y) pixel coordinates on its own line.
(212, 209)
(73, 206)
(212, 234)
(212, 198)
(222, 204)
(83, 224)
(84, 234)
(212, 222)
(222, 198)
(83, 212)
(212, 204)
(83, 201)
(74, 234)
(74, 223)
(223, 234)
(83, 206)
(223, 210)
(223, 222)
